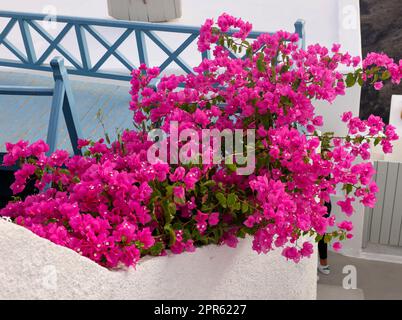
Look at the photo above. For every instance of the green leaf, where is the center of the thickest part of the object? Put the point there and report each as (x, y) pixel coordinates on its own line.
(350, 80)
(221, 41)
(231, 167)
(221, 199)
(360, 80)
(209, 183)
(318, 238)
(172, 209)
(249, 52)
(169, 190)
(377, 141)
(169, 210)
(244, 207)
(172, 235)
(178, 225)
(348, 188)
(385, 75)
(241, 233)
(231, 200)
(261, 65)
(156, 249)
(327, 238)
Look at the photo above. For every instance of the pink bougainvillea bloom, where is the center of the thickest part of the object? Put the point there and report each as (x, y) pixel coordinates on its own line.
(178, 192)
(378, 85)
(291, 253)
(213, 218)
(178, 174)
(346, 206)
(346, 225)
(307, 249)
(337, 246)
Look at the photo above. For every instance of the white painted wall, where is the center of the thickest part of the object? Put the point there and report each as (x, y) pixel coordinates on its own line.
(347, 25)
(35, 268)
(395, 119)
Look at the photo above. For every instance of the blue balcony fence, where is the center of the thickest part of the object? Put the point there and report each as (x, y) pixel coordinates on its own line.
(27, 57)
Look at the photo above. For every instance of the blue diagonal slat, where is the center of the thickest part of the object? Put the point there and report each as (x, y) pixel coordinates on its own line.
(55, 44)
(27, 39)
(162, 45)
(15, 50)
(117, 54)
(177, 52)
(7, 29)
(8, 44)
(112, 49)
(83, 46)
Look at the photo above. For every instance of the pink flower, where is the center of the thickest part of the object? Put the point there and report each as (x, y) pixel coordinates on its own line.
(250, 221)
(191, 178)
(145, 237)
(178, 192)
(307, 249)
(346, 205)
(178, 174)
(346, 116)
(335, 47)
(213, 218)
(337, 246)
(230, 239)
(378, 85)
(318, 121)
(291, 253)
(201, 219)
(201, 118)
(346, 225)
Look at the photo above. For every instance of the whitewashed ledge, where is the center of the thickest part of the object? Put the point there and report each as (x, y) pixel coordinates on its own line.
(35, 268)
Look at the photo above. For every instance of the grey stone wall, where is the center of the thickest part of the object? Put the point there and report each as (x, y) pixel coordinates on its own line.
(381, 25)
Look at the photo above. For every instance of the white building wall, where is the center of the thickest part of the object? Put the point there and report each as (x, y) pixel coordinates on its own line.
(395, 119)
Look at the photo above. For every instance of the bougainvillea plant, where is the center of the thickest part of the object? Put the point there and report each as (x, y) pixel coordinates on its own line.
(113, 206)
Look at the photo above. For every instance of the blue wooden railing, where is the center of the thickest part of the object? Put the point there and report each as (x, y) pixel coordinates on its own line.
(62, 101)
(28, 58)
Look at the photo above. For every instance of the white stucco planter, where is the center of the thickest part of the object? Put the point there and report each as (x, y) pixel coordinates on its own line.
(145, 10)
(35, 268)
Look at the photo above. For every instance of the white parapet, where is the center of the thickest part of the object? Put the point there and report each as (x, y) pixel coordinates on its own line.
(34, 268)
(395, 119)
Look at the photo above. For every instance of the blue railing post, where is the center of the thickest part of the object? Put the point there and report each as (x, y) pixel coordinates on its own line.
(63, 99)
(141, 47)
(299, 29)
(83, 46)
